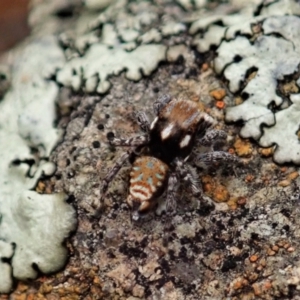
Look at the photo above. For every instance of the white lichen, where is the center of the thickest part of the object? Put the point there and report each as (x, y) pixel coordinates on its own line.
(270, 54)
(284, 133)
(97, 4)
(91, 71)
(32, 226)
(127, 40)
(6, 253)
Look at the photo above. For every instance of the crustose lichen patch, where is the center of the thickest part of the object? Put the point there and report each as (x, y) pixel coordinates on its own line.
(255, 57)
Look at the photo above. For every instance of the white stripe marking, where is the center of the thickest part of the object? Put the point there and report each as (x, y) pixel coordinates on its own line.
(153, 123)
(185, 141)
(139, 196)
(167, 131)
(134, 191)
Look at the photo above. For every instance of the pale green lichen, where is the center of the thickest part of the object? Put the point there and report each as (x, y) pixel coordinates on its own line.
(127, 40)
(242, 48)
(91, 72)
(33, 227)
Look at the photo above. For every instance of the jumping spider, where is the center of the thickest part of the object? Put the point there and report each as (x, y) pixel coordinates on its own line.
(162, 153)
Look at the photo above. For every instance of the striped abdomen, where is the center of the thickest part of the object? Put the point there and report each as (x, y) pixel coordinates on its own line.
(148, 178)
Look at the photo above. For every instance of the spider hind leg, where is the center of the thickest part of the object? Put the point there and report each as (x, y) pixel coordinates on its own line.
(98, 203)
(135, 141)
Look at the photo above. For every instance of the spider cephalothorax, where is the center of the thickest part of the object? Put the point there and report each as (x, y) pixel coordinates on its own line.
(167, 144)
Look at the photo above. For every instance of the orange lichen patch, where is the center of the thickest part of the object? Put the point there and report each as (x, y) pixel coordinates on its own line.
(40, 188)
(22, 287)
(215, 190)
(95, 291)
(45, 288)
(97, 281)
(220, 194)
(260, 287)
(205, 67)
(289, 178)
(93, 272)
(32, 296)
(271, 252)
(292, 175)
(232, 203)
(249, 178)
(218, 94)
(289, 88)
(281, 243)
(220, 104)
(242, 147)
(284, 183)
(261, 265)
(266, 152)
(207, 183)
(268, 284)
(253, 258)
(239, 283)
(48, 190)
(241, 201)
(251, 76)
(238, 100)
(231, 151)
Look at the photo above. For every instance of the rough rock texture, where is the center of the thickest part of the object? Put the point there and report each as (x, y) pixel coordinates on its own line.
(246, 247)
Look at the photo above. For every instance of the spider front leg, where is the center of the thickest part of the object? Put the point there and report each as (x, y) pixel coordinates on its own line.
(97, 204)
(135, 141)
(210, 158)
(142, 120)
(211, 137)
(188, 174)
(161, 102)
(171, 204)
(171, 194)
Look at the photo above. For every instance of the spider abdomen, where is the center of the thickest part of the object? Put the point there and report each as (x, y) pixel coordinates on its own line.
(148, 179)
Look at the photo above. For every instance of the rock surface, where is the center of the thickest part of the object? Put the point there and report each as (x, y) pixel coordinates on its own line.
(247, 247)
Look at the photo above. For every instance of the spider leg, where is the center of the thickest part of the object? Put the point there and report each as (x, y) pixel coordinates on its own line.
(171, 193)
(170, 205)
(189, 174)
(211, 136)
(213, 157)
(142, 120)
(139, 140)
(161, 102)
(97, 204)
